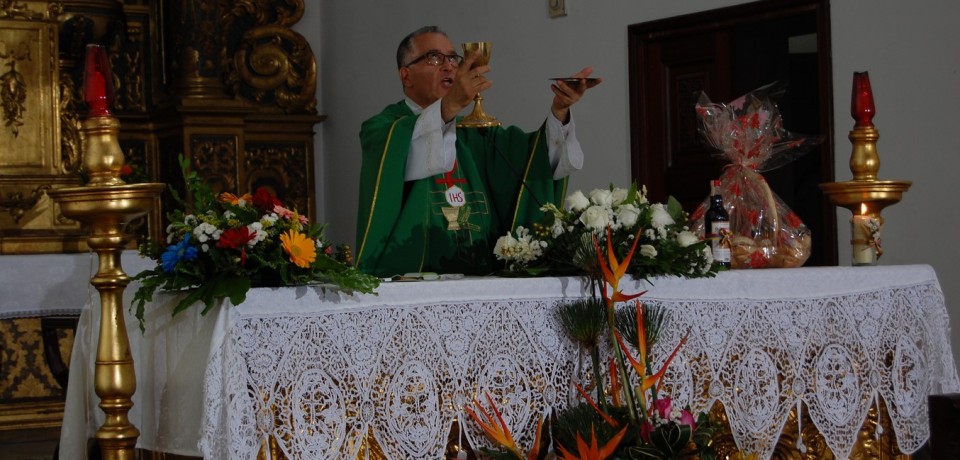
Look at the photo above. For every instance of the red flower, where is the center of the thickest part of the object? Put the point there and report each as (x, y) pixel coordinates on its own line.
(264, 200)
(235, 238)
(758, 260)
(126, 170)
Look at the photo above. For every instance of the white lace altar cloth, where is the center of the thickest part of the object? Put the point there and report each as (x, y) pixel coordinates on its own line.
(316, 370)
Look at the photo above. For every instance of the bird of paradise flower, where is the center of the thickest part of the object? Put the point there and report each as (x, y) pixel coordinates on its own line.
(624, 397)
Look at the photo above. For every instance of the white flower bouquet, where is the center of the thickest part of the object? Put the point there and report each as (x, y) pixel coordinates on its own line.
(562, 243)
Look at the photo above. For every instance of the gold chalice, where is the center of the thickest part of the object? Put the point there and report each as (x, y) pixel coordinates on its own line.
(478, 118)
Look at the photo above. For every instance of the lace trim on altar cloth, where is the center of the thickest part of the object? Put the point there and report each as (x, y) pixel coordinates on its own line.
(318, 385)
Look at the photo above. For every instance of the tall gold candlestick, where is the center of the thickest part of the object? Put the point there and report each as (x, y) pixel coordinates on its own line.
(865, 194)
(105, 205)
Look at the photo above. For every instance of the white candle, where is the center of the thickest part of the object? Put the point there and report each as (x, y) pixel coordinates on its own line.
(863, 252)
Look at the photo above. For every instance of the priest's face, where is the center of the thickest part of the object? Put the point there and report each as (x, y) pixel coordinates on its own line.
(423, 82)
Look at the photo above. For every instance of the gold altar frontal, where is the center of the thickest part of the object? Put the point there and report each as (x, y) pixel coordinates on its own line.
(875, 440)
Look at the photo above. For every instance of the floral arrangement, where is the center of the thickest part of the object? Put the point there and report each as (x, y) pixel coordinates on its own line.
(220, 246)
(633, 418)
(562, 242)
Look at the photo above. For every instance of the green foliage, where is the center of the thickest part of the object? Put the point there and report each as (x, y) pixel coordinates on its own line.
(584, 321)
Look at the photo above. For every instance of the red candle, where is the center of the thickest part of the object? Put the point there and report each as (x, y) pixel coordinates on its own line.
(97, 81)
(861, 106)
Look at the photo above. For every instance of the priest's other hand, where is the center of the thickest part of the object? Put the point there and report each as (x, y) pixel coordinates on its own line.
(565, 95)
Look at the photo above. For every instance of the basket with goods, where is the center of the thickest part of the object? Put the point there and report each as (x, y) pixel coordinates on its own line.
(749, 133)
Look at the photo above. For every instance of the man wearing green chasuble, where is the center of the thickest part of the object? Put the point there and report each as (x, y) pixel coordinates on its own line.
(434, 197)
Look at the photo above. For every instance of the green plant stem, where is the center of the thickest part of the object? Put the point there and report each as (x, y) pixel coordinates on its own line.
(595, 357)
(618, 355)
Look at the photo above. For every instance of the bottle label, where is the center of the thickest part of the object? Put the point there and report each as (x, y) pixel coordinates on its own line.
(720, 241)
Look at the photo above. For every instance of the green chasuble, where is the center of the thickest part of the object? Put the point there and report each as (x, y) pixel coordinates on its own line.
(448, 223)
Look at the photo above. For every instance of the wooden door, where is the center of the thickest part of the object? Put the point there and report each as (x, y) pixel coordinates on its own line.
(727, 53)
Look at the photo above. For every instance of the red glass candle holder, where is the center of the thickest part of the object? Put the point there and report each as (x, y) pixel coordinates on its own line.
(97, 81)
(861, 106)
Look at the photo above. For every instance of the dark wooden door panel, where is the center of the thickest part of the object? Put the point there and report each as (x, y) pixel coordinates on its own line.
(726, 53)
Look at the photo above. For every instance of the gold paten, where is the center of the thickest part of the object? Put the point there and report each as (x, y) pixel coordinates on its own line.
(105, 205)
(478, 118)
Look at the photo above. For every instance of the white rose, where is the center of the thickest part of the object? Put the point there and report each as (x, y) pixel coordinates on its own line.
(618, 195)
(647, 250)
(595, 218)
(627, 215)
(601, 197)
(577, 202)
(660, 217)
(686, 238)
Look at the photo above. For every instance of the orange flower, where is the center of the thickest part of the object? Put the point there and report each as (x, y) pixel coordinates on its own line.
(301, 249)
(227, 197)
(593, 451)
(494, 426)
(614, 383)
(496, 429)
(640, 365)
(613, 271)
(610, 421)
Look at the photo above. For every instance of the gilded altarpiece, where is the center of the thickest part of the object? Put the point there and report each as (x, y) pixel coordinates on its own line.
(31, 160)
(226, 83)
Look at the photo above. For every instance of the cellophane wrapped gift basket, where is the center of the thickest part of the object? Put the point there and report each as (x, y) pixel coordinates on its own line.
(749, 133)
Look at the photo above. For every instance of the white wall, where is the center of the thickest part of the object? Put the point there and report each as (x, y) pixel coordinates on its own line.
(911, 51)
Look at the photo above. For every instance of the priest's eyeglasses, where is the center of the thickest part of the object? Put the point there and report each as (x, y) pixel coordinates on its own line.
(436, 58)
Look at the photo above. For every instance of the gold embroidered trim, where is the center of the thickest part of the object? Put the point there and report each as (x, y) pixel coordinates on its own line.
(526, 171)
(376, 191)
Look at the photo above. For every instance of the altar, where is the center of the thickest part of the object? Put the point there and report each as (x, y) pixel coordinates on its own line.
(308, 372)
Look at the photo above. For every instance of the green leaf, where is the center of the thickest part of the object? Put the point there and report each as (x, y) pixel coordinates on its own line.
(675, 209)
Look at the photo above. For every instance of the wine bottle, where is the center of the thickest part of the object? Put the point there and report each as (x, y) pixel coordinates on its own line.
(718, 226)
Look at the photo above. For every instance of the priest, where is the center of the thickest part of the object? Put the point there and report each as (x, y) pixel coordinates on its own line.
(434, 197)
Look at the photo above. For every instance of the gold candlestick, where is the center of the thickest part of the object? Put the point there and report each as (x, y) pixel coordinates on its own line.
(105, 205)
(478, 118)
(865, 194)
